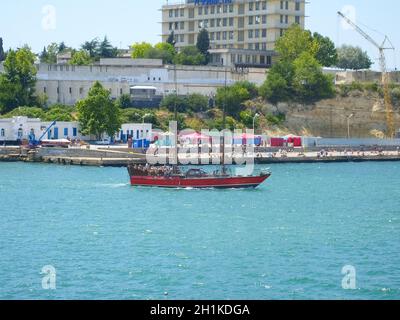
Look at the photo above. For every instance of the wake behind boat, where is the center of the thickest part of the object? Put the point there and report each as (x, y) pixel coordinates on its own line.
(173, 177)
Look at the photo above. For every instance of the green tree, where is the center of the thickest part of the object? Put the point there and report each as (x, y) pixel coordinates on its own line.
(277, 86)
(17, 84)
(172, 101)
(197, 102)
(310, 83)
(124, 101)
(81, 58)
(139, 50)
(190, 56)
(49, 54)
(295, 42)
(2, 55)
(203, 42)
(171, 39)
(275, 89)
(350, 57)
(164, 51)
(44, 56)
(98, 114)
(326, 54)
(91, 47)
(62, 47)
(131, 115)
(232, 99)
(249, 86)
(106, 50)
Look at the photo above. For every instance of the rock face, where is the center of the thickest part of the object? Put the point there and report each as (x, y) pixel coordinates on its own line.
(328, 118)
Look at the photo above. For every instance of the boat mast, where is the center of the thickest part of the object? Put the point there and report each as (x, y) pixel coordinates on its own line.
(224, 124)
(175, 167)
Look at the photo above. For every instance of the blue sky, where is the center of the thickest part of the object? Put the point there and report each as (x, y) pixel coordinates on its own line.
(128, 21)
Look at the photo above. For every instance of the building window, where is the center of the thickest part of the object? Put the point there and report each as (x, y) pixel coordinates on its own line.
(241, 22)
(70, 90)
(250, 20)
(44, 89)
(297, 8)
(250, 34)
(264, 5)
(191, 13)
(182, 12)
(3, 133)
(241, 9)
(74, 132)
(171, 13)
(80, 90)
(264, 33)
(65, 132)
(297, 19)
(241, 36)
(251, 5)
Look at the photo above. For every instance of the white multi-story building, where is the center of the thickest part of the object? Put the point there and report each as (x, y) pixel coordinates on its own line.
(249, 29)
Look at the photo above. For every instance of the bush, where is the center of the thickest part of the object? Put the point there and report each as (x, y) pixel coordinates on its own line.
(191, 103)
(30, 112)
(190, 56)
(276, 119)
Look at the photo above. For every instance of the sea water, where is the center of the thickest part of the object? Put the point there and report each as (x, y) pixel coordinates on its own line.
(69, 232)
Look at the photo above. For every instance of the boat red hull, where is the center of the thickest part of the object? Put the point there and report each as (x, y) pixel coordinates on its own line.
(207, 182)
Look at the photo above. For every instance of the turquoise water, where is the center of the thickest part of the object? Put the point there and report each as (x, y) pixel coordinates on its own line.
(287, 240)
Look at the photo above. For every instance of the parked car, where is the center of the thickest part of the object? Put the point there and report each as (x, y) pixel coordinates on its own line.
(104, 142)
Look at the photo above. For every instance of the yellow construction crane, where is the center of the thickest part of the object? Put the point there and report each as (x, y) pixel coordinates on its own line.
(385, 76)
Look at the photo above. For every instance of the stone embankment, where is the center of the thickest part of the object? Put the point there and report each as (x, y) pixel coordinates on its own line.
(121, 158)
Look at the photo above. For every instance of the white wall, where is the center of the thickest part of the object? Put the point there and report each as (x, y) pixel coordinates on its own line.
(140, 130)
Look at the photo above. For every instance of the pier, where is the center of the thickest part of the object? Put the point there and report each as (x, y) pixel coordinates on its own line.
(121, 158)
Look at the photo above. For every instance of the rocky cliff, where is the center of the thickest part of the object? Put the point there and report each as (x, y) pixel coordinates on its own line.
(328, 118)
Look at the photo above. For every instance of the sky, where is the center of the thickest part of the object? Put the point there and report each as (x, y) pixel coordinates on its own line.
(40, 22)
